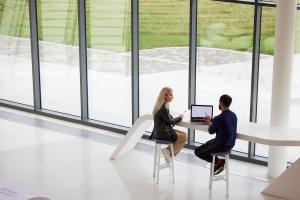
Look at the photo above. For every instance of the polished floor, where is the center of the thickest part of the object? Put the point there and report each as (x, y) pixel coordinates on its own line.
(60, 161)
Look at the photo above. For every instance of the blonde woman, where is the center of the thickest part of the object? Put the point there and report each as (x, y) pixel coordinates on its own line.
(164, 122)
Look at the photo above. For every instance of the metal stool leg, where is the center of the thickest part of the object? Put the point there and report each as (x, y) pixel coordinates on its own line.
(211, 173)
(227, 174)
(155, 160)
(158, 164)
(172, 161)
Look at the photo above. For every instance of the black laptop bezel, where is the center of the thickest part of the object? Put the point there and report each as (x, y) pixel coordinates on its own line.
(201, 120)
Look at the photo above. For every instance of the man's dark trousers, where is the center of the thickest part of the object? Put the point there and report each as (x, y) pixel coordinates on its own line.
(204, 151)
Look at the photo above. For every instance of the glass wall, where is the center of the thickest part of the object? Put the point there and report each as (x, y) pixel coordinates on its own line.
(109, 60)
(267, 43)
(15, 52)
(265, 80)
(295, 92)
(224, 59)
(294, 152)
(164, 40)
(59, 61)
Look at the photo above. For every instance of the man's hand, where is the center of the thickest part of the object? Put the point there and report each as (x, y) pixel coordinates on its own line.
(208, 120)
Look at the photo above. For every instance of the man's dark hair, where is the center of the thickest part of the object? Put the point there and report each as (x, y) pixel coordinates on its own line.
(226, 100)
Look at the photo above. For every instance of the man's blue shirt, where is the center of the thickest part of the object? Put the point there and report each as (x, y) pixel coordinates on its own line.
(224, 125)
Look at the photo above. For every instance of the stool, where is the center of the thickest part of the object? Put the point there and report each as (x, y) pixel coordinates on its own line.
(225, 177)
(157, 165)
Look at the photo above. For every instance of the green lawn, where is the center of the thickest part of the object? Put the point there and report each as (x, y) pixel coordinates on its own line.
(163, 23)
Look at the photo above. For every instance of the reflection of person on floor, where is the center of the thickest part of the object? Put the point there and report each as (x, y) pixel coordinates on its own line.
(224, 125)
(164, 122)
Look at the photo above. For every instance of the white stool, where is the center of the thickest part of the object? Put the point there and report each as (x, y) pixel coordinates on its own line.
(225, 177)
(157, 165)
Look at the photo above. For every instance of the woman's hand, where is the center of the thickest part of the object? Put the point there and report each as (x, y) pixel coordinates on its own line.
(180, 116)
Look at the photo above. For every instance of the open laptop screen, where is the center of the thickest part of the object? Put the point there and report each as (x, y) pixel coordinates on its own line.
(198, 112)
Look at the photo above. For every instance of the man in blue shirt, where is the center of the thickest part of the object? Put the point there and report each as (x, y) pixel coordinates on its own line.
(224, 125)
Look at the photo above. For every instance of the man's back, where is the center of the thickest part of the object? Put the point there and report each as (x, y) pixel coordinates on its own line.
(225, 126)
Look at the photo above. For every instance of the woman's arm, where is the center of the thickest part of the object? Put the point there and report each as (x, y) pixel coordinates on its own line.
(167, 118)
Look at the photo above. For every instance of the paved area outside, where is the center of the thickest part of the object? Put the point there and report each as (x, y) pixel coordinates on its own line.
(162, 59)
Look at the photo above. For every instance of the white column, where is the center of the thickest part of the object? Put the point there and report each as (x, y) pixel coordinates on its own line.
(282, 75)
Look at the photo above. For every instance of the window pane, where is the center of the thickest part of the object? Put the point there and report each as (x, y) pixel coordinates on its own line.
(109, 60)
(265, 80)
(294, 152)
(224, 59)
(15, 52)
(164, 39)
(265, 72)
(58, 40)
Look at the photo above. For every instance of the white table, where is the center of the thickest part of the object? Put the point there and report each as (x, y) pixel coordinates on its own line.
(248, 131)
(262, 134)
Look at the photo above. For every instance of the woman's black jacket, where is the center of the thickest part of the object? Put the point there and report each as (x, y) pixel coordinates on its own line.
(163, 123)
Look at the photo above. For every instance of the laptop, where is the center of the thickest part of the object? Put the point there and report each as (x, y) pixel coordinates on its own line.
(199, 112)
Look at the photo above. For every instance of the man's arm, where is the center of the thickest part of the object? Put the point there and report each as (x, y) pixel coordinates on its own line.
(214, 125)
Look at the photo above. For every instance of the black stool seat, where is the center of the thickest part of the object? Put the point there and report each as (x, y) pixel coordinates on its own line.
(221, 153)
(158, 141)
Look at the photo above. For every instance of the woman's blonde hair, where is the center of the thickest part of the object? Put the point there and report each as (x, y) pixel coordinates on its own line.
(161, 99)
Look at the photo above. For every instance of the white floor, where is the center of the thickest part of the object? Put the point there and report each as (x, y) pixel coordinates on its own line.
(64, 167)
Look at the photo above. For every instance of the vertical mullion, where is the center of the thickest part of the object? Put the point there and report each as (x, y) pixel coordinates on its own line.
(83, 59)
(35, 55)
(255, 71)
(192, 61)
(135, 58)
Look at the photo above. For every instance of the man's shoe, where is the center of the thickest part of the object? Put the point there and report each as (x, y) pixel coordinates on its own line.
(167, 155)
(219, 167)
(218, 170)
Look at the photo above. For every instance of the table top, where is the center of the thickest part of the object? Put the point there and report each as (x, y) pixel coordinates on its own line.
(259, 133)
(263, 134)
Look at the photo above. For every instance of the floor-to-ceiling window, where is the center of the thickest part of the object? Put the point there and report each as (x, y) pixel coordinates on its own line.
(59, 55)
(109, 60)
(294, 152)
(267, 42)
(164, 51)
(224, 59)
(15, 52)
(265, 79)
